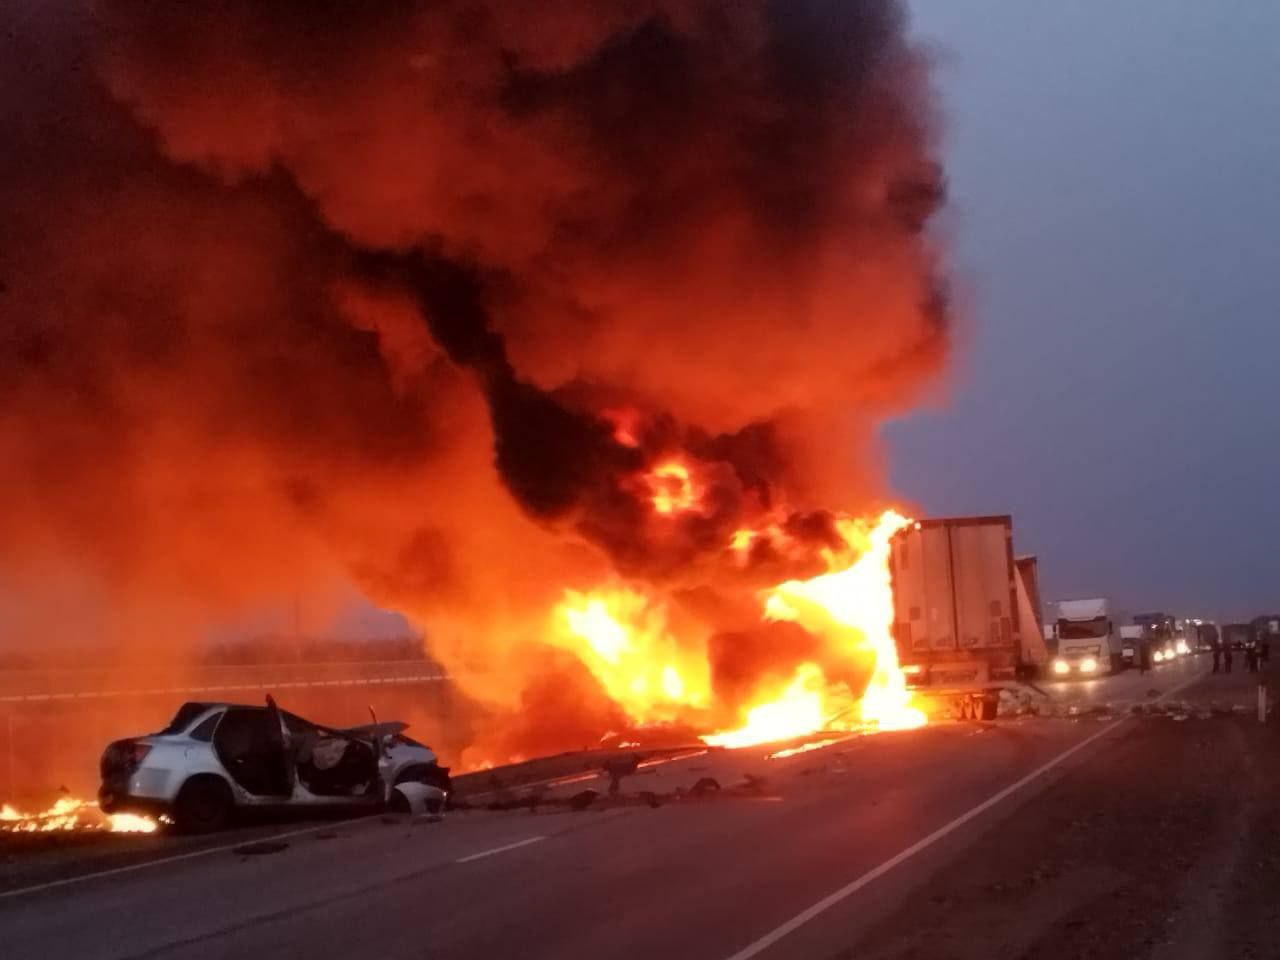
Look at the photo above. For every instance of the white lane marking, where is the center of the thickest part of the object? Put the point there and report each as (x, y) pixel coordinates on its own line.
(131, 868)
(827, 902)
(502, 849)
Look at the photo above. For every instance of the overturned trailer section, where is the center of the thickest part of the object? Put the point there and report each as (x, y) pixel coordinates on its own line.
(965, 621)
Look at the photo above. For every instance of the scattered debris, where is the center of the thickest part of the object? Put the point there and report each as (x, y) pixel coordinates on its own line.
(704, 786)
(583, 799)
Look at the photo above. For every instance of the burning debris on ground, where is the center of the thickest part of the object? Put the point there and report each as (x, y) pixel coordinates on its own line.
(69, 813)
(564, 334)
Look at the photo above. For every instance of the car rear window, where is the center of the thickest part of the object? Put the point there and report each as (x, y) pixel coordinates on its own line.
(204, 730)
(186, 714)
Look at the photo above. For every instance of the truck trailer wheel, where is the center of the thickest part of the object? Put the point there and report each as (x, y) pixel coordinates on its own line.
(203, 805)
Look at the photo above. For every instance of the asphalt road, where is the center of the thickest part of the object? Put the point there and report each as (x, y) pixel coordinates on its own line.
(801, 856)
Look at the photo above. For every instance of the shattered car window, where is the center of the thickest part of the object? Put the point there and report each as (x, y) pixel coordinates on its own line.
(185, 716)
(204, 730)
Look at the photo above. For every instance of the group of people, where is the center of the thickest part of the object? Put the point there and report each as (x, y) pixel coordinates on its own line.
(1256, 656)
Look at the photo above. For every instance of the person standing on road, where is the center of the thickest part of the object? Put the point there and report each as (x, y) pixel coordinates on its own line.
(1226, 655)
(1144, 653)
(1217, 654)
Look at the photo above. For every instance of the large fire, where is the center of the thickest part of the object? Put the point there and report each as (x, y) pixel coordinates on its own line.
(854, 605)
(622, 635)
(802, 708)
(674, 489)
(510, 299)
(72, 813)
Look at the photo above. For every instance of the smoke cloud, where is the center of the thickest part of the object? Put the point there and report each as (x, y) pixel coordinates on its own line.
(417, 294)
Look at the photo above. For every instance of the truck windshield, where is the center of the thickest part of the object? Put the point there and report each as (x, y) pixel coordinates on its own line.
(1082, 629)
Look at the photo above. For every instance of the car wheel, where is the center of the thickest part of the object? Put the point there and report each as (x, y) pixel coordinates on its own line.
(204, 805)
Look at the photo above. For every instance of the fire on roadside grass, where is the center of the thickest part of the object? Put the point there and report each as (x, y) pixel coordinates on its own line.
(72, 813)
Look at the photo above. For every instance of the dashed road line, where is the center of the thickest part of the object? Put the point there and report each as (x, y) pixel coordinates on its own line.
(502, 849)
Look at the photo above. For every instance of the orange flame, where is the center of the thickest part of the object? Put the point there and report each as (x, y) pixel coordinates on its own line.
(626, 425)
(673, 489)
(623, 636)
(798, 710)
(854, 605)
(72, 813)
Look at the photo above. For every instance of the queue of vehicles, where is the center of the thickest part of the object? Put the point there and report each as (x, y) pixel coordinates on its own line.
(1091, 639)
(967, 618)
(967, 623)
(1094, 639)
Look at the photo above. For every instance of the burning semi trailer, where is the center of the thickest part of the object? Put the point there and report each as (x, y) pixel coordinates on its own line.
(965, 617)
(563, 331)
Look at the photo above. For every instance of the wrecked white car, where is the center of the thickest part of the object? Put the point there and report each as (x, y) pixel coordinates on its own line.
(216, 758)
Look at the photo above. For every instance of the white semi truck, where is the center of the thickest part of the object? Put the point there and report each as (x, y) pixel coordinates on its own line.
(1089, 641)
(964, 608)
(1130, 644)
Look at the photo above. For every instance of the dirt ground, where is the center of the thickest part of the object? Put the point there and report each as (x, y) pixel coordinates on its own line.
(1165, 844)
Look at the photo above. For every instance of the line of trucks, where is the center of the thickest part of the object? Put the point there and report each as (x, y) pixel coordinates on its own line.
(967, 618)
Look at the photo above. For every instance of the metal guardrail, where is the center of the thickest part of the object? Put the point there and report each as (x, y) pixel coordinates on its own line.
(36, 686)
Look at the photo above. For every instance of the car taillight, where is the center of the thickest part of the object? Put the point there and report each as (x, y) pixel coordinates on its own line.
(123, 757)
(135, 753)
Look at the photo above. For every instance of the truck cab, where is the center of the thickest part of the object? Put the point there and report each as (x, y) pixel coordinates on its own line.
(1089, 642)
(1130, 644)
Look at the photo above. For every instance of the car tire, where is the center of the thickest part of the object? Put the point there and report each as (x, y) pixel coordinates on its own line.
(203, 805)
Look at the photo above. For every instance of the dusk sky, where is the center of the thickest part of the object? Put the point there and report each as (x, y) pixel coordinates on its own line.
(1116, 231)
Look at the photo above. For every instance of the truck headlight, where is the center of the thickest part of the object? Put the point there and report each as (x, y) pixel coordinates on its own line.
(1088, 665)
(1182, 648)
(1061, 666)
(1158, 656)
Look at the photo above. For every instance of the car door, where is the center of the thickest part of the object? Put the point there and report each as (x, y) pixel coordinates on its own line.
(332, 767)
(250, 747)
